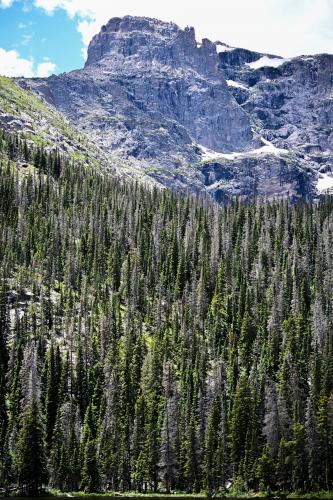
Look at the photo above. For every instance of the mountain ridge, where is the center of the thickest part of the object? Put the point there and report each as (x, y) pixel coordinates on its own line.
(197, 116)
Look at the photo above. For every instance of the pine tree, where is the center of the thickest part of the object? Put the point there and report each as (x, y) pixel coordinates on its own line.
(30, 452)
(265, 471)
(312, 445)
(168, 463)
(52, 392)
(241, 416)
(90, 482)
(192, 464)
(214, 465)
(299, 464)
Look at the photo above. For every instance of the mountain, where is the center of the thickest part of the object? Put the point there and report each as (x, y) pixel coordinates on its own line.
(203, 116)
(153, 342)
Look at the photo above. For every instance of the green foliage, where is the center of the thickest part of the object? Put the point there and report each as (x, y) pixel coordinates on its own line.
(150, 341)
(30, 452)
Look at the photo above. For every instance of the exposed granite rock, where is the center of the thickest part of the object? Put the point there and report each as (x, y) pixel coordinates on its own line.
(153, 95)
(265, 176)
(150, 90)
(291, 104)
(239, 57)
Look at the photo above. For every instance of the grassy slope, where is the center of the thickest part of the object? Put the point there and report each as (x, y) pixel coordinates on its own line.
(43, 125)
(40, 123)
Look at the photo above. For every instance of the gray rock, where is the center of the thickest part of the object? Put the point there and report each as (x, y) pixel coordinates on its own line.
(151, 91)
(154, 96)
(291, 104)
(265, 176)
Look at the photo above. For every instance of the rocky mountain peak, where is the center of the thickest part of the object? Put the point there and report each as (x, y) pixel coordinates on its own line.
(158, 77)
(201, 116)
(130, 39)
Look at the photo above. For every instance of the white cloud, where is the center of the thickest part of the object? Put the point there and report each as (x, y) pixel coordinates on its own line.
(84, 8)
(84, 53)
(11, 64)
(45, 69)
(22, 26)
(286, 27)
(6, 3)
(88, 29)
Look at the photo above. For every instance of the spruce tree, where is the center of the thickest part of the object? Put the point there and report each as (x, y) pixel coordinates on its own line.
(30, 452)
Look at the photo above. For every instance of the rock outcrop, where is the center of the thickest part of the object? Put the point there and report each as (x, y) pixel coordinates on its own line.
(149, 89)
(175, 108)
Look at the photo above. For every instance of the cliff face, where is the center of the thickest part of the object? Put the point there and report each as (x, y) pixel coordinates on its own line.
(175, 107)
(292, 102)
(152, 91)
(165, 73)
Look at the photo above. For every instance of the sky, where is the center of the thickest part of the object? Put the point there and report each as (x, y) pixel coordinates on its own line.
(41, 37)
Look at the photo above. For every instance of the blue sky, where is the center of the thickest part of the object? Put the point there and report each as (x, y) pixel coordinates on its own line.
(40, 37)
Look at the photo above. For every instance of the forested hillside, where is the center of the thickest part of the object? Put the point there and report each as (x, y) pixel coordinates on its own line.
(150, 341)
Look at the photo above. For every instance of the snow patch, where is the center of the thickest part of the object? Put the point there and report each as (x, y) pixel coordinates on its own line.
(232, 83)
(208, 154)
(272, 62)
(324, 183)
(223, 47)
(268, 148)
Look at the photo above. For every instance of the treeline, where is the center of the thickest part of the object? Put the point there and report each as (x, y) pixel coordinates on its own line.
(156, 342)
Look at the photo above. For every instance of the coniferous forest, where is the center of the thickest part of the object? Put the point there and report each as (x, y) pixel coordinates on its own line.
(157, 342)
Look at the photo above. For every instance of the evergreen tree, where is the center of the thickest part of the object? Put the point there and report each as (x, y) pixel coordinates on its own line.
(151, 340)
(30, 452)
(240, 423)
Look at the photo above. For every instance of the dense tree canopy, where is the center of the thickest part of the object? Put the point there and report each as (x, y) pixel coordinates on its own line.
(152, 341)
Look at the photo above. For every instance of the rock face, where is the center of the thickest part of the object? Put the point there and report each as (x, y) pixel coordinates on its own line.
(291, 103)
(151, 93)
(166, 74)
(150, 90)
